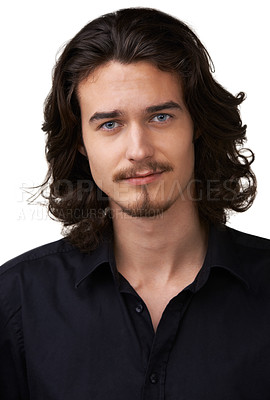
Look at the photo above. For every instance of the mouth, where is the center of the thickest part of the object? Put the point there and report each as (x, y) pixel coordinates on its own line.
(144, 177)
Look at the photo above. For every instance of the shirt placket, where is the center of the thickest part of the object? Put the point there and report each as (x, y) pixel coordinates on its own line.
(155, 347)
(170, 323)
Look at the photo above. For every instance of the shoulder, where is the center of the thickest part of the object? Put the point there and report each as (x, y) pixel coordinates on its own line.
(251, 259)
(248, 242)
(50, 250)
(36, 273)
(253, 250)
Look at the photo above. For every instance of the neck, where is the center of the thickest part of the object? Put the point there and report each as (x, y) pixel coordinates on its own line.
(161, 250)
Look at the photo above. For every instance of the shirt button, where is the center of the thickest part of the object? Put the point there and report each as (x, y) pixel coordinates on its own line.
(153, 378)
(139, 308)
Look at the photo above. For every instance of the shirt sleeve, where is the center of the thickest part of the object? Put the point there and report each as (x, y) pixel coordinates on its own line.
(13, 377)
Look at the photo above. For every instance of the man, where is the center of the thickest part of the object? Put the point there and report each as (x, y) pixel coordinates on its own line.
(149, 295)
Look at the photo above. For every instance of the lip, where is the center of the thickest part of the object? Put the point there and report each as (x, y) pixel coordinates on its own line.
(144, 173)
(144, 178)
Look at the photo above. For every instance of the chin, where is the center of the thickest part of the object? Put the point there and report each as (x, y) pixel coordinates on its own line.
(143, 213)
(145, 208)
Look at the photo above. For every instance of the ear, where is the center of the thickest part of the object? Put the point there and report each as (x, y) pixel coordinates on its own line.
(196, 134)
(81, 147)
(82, 150)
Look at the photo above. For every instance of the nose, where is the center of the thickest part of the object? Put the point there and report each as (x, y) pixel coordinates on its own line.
(139, 146)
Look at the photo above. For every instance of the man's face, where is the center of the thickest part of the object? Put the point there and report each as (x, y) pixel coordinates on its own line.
(138, 135)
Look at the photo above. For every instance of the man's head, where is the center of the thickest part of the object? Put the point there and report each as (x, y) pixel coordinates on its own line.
(138, 136)
(125, 63)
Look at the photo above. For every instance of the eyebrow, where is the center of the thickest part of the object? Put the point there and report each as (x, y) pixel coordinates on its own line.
(116, 113)
(164, 106)
(105, 115)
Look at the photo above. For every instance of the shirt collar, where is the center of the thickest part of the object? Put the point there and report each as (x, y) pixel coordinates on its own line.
(103, 254)
(222, 252)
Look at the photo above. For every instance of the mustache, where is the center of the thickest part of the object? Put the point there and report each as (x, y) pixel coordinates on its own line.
(154, 166)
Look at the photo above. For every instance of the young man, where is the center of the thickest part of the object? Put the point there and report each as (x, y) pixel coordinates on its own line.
(149, 295)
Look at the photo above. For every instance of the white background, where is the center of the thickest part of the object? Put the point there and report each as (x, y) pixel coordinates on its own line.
(236, 34)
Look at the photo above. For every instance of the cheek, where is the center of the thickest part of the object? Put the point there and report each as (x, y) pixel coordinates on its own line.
(101, 165)
(181, 152)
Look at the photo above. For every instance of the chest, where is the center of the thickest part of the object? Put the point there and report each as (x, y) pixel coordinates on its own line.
(156, 301)
(99, 347)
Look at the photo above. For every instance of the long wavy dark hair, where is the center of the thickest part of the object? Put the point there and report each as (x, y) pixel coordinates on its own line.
(127, 36)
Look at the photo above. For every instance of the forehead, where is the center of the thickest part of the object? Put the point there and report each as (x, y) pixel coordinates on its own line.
(123, 84)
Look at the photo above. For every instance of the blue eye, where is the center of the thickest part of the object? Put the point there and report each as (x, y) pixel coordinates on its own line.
(110, 125)
(161, 118)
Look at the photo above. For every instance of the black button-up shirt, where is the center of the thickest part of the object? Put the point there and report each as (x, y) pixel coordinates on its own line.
(73, 328)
